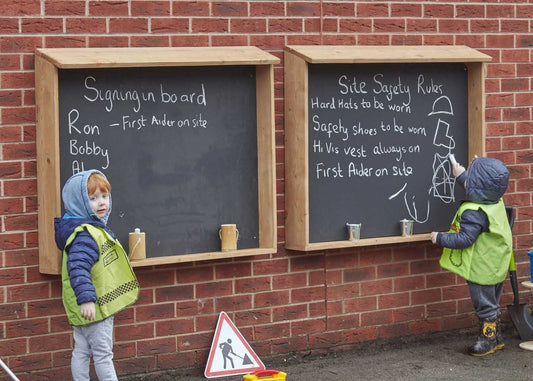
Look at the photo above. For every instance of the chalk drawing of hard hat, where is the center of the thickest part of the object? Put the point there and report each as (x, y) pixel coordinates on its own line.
(442, 105)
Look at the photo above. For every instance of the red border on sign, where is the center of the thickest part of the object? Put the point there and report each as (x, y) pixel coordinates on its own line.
(208, 373)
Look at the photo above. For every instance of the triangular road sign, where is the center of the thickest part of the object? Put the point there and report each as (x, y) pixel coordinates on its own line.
(230, 353)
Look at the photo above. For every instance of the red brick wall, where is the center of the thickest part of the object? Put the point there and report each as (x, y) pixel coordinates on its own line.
(289, 301)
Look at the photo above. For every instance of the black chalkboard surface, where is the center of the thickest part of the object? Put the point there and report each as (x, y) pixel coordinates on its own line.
(178, 144)
(379, 139)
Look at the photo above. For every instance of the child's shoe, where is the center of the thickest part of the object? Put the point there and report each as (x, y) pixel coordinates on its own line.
(487, 339)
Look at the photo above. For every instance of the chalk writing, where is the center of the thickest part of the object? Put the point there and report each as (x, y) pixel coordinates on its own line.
(383, 133)
(178, 144)
(125, 106)
(110, 96)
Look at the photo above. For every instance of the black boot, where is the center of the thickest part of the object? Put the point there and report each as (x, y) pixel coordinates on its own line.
(486, 340)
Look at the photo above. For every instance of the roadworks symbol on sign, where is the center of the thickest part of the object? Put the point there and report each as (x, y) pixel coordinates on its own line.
(230, 353)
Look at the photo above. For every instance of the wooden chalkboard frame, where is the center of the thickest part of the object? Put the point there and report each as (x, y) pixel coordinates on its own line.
(296, 61)
(47, 64)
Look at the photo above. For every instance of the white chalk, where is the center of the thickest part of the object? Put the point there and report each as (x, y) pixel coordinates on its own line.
(452, 159)
(137, 247)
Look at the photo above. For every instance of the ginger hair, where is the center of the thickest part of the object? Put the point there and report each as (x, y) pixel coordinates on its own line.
(97, 181)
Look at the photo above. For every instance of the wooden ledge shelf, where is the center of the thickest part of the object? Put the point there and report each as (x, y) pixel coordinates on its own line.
(362, 242)
(157, 261)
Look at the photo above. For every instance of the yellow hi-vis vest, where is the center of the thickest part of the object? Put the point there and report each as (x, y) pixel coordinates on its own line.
(486, 262)
(112, 276)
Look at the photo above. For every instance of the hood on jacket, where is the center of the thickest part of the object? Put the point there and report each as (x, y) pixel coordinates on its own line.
(76, 199)
(486, 181)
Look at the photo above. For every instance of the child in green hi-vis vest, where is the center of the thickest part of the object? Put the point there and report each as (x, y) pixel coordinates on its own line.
(478, 246)
(97, 278)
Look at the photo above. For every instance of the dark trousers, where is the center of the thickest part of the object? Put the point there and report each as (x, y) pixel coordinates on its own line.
(486, 299)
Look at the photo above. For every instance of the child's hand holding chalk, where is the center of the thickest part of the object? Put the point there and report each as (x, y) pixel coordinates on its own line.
(457, 168)
(452, 159)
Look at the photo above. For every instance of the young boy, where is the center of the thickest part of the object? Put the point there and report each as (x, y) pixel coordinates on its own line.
(478, 246)
(98, 280)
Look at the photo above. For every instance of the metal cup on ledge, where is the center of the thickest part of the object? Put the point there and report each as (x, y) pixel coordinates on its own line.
(407, 227)
(354, 231)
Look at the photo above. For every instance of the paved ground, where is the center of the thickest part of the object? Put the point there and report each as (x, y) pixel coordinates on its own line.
(440, 356)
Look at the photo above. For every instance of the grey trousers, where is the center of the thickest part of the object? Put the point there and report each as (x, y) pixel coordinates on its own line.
(486, 299)
(94, 340)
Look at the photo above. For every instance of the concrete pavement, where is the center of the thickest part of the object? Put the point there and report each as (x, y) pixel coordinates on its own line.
(438, 356)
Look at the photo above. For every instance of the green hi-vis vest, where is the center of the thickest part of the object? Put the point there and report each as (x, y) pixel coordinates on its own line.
(113, 278)
(487, 261)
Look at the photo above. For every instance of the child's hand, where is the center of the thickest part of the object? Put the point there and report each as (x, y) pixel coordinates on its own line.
(88, 311)
(434, 237)
(457, 169)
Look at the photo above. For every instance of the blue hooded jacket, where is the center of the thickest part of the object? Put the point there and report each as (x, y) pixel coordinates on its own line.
(485, 182)
(83, 252)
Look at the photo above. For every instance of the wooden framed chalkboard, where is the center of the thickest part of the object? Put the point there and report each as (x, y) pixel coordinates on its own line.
(185, 135)
(368, 134)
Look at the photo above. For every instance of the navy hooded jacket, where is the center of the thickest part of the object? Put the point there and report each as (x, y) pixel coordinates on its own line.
(83, 252)
(485, 182)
